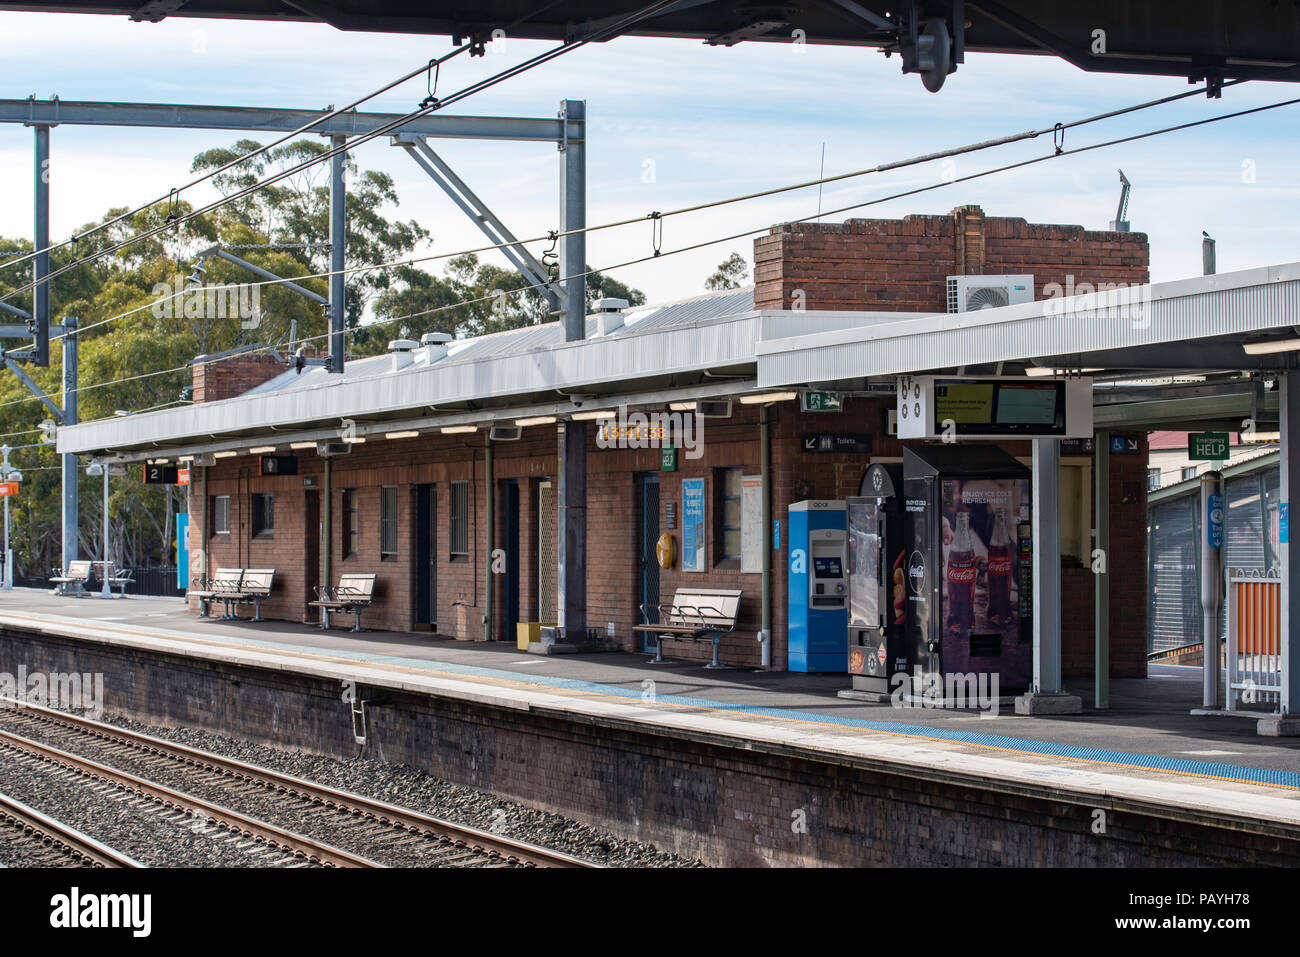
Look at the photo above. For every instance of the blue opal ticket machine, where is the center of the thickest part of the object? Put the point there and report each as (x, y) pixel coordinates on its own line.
(818, 592)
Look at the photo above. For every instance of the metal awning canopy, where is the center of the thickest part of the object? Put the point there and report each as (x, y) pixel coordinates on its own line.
(1191, 332)
(1227, 38)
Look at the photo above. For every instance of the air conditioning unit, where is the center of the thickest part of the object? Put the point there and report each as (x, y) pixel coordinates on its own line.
(970, 293)
(713, 408)
(329, 449)
(505, 433)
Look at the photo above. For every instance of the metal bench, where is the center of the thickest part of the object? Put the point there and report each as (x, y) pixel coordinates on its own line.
(119, 579)
(355, 593)
(254, 588)
(697, 614)
(73, 582)
(222, 587)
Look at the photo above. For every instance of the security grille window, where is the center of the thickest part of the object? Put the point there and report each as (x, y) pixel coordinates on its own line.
(263, 513)
(729, 484)
(1153, 479)
(459, 520)
(351, 522)
(221, 515)
(1174, 576)
(388, 520)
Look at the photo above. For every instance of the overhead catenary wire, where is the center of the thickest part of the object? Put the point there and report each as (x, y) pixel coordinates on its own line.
(657, 217)
(329, 114)
(743, 234)
(174, 221)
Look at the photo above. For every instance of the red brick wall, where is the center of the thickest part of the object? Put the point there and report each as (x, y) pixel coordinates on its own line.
(613, 570)
(903, 264)
(225, 378)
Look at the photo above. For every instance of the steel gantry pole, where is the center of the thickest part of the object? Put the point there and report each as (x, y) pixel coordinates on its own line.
(41, 265)
(338, 252)
(572, 450)
(9, 562)
(71, 515)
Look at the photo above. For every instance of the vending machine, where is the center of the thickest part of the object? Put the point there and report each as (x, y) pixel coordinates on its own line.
(818, 590)
(969, 607)
(877, 581)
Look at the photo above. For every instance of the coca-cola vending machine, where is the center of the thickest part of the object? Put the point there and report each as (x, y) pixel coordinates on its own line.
(968, 608)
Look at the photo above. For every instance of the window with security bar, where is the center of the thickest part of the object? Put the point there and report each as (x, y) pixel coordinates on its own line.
(388, 520)
(458, 520)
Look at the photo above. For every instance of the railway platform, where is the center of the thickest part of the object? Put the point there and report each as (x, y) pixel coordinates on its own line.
(1145, 752)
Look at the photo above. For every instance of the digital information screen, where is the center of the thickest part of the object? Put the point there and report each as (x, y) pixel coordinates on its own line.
(999, 407)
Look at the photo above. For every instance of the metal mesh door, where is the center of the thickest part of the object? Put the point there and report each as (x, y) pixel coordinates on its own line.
(547, 553)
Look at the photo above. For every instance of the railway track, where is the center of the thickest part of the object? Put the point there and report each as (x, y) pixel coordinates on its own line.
(387, 833)
(52, 843)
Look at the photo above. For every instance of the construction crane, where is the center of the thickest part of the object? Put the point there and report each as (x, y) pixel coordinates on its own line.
(1120, 223)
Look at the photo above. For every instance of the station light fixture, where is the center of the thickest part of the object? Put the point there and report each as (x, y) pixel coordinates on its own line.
(537, 420)
(185, 459)
(763, 398)
(599, 414)
(408, 434)
(1260, 438)
(354, 440)
(1037, 371)
(682, 406)
(262, 450)
(224, 455)
(1269, 347)
(458, 429)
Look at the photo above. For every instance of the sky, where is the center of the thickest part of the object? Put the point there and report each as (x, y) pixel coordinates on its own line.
(672, 123)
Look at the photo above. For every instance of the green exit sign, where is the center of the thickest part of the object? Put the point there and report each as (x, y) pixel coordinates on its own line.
(1211, 446)
(668, 459)
(820, 401)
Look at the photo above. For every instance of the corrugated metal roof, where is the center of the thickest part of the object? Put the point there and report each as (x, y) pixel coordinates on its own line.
(1248, 301)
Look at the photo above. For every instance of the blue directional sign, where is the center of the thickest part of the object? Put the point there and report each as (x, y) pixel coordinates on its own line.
(1214, 520)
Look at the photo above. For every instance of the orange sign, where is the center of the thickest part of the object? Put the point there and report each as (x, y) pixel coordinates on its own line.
(182, 476)
(8, 488)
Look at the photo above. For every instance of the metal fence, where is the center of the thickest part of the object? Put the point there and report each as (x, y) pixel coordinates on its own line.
(1256, 656)
(155, 582)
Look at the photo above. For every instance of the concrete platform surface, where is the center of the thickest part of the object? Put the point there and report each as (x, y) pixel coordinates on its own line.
(1146, 748)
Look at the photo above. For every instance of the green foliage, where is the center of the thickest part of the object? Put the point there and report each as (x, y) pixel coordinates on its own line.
(141, 322)
(732, 273)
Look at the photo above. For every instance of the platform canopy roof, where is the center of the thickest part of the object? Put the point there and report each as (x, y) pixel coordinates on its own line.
(1191, 38)
(1167, 355)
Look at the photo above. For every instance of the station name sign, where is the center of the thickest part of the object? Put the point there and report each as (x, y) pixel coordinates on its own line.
(997, 407)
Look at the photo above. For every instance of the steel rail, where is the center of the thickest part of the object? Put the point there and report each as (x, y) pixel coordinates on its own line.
(494, 845)
(66, 837)
(298, 844)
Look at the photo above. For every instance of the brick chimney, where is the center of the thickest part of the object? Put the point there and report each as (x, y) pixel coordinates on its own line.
(902, 265)
(226, 378)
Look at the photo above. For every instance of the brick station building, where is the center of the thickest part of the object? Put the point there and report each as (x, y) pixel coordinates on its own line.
(408, 500)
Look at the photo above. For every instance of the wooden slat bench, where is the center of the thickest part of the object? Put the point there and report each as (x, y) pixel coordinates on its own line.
(355, 593)
(74, 580)
(698, 614)
(221, 587)
(254, 587)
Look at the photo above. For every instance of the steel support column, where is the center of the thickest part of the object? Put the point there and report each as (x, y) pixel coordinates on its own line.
(489, 535)
(1288, 544)
(41, 265)
(1046, 695)
(338, 251)
(573, 210)
(1101, 573)
(71, 515)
